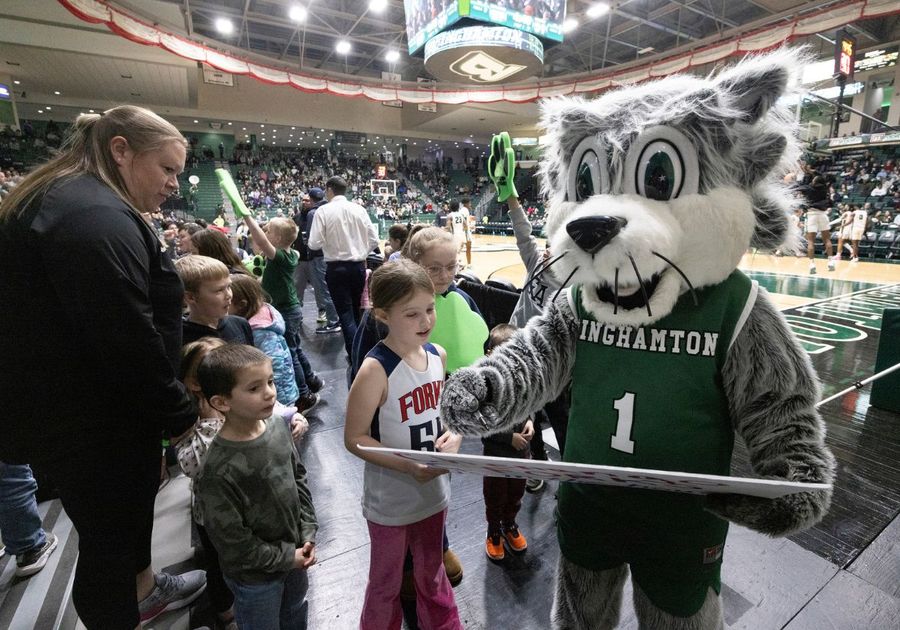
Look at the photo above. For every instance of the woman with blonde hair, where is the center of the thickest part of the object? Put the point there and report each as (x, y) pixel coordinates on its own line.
(90, 335)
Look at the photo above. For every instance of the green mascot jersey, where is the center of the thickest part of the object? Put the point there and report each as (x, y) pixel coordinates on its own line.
(652, 397)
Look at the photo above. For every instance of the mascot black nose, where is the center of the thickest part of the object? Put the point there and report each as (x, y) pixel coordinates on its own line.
(592, 233)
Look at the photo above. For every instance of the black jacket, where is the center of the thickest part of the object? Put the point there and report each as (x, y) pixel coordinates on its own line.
(90, 326)
(304, 221)
(231, 328)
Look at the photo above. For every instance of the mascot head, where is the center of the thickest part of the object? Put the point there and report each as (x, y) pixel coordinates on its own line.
(660, 188)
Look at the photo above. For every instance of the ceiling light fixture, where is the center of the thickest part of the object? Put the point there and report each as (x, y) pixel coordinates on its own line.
(392, 56)
(298, 13)
(377, 6)
(17, 82)
(343, 47)
(56, 92)
(644, 51)
(224, 26)
(569, 25)
(597, 9)
(196, 121)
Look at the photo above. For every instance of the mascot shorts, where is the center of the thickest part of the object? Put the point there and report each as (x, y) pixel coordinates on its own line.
(671, 544)
(678, 589)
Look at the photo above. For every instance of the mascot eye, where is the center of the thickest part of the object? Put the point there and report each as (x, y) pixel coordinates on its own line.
(660, 171)
(663, 163)
(584, 184)
(587, 173)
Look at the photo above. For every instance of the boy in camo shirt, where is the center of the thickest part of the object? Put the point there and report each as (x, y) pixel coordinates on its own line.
(253, 492)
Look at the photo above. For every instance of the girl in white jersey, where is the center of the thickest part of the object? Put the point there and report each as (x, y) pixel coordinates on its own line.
(394, 401)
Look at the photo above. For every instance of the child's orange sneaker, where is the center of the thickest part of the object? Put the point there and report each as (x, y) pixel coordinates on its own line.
(493, 546)
(515, 539)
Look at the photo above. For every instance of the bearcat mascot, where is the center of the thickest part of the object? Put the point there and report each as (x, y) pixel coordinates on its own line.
(655, 192)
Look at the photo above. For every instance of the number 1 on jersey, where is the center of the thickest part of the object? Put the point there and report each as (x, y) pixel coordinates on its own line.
(621, 440)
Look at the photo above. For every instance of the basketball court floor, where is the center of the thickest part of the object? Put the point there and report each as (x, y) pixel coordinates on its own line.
(842, 574)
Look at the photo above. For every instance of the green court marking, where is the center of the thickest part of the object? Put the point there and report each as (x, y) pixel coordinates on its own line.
(836, 332)
(813, 287)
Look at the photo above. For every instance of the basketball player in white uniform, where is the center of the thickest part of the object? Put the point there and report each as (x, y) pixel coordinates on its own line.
(817, 221)
(853, 227)
(458, 225)
(857, 230)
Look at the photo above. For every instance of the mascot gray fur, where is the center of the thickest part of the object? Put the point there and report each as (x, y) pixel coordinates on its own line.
(655, 192)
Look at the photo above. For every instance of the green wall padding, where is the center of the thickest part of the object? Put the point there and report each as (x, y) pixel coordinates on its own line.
(886, 390)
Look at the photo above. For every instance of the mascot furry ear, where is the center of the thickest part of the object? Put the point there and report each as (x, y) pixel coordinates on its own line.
(655, 192)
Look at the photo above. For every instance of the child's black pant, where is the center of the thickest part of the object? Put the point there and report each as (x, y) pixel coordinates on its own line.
(502, 500)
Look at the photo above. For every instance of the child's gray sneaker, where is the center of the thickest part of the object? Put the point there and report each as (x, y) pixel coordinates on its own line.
(171, 593)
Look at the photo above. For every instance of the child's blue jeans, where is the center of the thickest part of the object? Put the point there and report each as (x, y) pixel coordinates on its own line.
(279, 604)
(293, 323)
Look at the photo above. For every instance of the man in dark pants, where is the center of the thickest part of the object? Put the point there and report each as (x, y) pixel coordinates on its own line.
(344, 233)
(311, 268)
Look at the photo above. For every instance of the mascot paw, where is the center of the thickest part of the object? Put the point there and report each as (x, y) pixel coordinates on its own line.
(775, 517)
(464, 409)
(501, 166)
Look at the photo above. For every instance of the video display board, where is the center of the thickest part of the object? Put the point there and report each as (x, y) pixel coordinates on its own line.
(427, 18)
(543, 18)
(877, 59)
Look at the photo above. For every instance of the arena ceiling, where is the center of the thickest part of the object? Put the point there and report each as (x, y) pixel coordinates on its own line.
(71, 65)
(633, 30)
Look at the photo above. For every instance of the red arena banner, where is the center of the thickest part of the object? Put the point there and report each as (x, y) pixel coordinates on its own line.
(134, 29)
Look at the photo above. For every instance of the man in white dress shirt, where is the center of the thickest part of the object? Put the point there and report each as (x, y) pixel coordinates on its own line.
(344, 233)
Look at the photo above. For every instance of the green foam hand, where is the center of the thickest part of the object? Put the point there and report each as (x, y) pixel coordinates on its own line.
(230, 189)
(256, 265)
(502, 166)
(459, 330)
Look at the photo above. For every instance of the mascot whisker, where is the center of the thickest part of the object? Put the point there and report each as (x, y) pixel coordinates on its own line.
(654, 193)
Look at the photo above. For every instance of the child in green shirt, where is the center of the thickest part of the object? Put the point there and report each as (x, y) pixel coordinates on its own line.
(278, 281)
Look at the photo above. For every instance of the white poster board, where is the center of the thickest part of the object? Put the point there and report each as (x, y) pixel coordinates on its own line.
(690, 483)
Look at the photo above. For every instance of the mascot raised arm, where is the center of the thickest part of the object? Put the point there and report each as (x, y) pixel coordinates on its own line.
(655, 192)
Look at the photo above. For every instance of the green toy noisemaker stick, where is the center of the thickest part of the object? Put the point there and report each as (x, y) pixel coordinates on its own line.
(226, 183)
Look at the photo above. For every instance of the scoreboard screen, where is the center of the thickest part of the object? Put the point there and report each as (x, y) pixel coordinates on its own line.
(543, 18)
(349, 137)
(844, 55)
(427, 18)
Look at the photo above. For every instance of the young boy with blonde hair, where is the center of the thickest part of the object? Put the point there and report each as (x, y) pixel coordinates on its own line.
(207, 295)
(278, 281)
